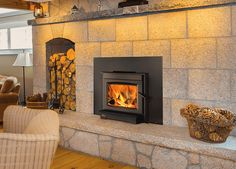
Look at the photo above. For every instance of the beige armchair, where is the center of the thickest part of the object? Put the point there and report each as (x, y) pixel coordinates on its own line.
(30, 138)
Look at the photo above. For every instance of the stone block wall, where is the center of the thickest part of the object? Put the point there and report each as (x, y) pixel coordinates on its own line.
(198, 48)
(138, 154)
(62, 8)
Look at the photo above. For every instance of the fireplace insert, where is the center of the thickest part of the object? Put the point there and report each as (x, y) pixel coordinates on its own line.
(125, 92)
(129, 89)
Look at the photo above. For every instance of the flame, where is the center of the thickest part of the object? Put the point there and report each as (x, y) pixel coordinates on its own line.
(122, 95)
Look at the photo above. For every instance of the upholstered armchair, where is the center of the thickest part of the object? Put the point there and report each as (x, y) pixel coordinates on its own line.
(30, 138)
(9, 94)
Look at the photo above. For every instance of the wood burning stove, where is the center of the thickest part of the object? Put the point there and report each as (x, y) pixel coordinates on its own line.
(129, 89)
(125, 92)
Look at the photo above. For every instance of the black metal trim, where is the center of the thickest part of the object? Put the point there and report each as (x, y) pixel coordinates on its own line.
(130, 118)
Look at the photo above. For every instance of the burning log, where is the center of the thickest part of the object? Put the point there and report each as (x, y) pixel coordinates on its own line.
(122, 95)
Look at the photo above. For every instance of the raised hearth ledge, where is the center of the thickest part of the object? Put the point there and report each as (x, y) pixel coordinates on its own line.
(167, 5)
(152, 134)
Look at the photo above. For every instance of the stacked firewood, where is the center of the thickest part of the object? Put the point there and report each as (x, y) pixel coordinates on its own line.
(209, 124)
(37, 101)
(62, 71)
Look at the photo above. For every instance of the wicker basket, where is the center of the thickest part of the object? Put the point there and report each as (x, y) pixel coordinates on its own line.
(37, 105)
(209, 125)
(208, 133)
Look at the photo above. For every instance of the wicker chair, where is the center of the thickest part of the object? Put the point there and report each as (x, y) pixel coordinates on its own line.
(30, 138)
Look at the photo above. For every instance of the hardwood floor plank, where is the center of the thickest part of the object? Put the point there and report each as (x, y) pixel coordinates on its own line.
(129, 167)
(66, 159)
(107, 164)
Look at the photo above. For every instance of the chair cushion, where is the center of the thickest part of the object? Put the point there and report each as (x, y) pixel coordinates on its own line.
(8, 84)
(46, 122)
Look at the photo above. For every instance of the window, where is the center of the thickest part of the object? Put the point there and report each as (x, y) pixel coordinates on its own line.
(3, 39)
(21, 38)
(5, 10)
(16, 38)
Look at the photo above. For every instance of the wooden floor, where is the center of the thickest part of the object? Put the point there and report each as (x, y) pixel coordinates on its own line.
(66, 159)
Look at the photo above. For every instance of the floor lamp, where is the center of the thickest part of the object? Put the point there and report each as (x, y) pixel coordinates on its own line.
(23, 60)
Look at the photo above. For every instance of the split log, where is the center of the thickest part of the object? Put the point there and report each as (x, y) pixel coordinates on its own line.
(58, 63)
(72, 67)
(50, 64)
(63, 59)
(63, 98)
(59, 74)
(68, 73)
(59, 89)
(67, 105)
(70, 54)
(66, 81)
(70, 98)
(73, 106)
(73, 93)
(66, 91)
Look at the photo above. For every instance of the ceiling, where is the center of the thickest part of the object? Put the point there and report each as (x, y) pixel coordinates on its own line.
(6, 10)
(14, 4)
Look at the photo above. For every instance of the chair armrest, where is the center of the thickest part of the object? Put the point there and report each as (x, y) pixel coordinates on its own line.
(27, 150)
(8, 98)
(16, 118)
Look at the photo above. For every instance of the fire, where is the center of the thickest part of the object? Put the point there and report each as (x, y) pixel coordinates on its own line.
(122, 95)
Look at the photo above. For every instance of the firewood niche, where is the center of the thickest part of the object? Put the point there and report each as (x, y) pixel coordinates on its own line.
(61, 76)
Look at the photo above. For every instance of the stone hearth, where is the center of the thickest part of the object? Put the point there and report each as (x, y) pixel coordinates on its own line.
(143, 145)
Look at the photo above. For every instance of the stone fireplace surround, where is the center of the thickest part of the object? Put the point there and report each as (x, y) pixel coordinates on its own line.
(198, 46)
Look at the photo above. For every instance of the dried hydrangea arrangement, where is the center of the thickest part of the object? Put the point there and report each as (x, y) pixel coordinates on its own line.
(209, 124)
